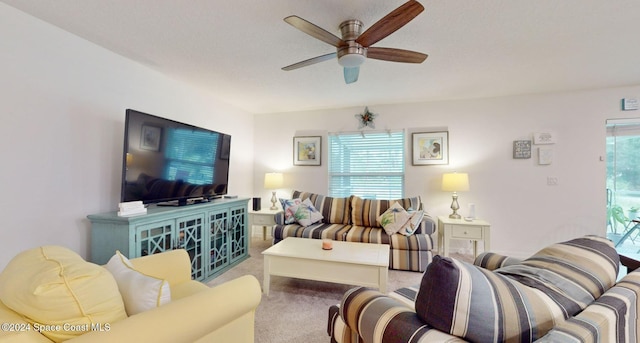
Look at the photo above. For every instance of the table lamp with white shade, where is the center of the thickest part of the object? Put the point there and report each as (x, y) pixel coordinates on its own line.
(455, 182)
(273, 181)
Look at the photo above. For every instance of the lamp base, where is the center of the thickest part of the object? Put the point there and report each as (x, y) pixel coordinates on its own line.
(455, 207)
(274, 200)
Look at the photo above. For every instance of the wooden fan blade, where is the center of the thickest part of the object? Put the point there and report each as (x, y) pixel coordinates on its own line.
(390, 23)
(396, 55)
(314, 31)
(310, 61)
(351, 74)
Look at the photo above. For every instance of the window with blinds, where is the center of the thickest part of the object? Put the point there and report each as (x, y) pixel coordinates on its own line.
(369, 165)
(190, 155)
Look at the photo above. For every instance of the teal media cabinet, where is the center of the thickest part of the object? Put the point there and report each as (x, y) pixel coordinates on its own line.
(215, 234)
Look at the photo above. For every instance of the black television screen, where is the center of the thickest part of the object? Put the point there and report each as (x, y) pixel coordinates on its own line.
(169, 162)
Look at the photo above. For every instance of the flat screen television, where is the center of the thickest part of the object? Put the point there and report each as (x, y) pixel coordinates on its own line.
(172, 163)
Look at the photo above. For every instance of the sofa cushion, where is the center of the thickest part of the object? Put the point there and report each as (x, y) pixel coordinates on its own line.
(334, 210)
(305, 214)
(54, 286)
(336, 232)
(365, 212)
(139, 292)
(521, 301)
(363, 234)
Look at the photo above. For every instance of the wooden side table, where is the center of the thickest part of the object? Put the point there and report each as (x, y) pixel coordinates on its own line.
(475, 230)
(264, 218)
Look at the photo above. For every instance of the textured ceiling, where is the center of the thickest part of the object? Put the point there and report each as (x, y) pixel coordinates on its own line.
(476, 48)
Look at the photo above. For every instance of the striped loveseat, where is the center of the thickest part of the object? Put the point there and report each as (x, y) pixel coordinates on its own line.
(566, 292)
(354, 219)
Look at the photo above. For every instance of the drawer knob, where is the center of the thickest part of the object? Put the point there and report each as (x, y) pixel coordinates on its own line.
(466, 233)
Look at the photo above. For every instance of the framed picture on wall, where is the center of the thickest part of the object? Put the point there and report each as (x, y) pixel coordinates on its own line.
(430, 148)
(307, 150)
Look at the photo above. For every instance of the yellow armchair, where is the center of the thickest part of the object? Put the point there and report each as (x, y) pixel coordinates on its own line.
(196, 313)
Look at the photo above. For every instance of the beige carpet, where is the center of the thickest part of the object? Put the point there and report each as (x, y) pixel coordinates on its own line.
(296, 310)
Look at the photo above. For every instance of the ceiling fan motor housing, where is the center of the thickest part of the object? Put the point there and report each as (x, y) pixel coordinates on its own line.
(353, 54)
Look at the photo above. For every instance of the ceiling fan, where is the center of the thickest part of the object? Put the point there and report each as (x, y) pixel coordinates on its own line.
(355, 47)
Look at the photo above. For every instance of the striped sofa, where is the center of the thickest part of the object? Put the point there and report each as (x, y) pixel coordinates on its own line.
(354, 219)
(566, 292)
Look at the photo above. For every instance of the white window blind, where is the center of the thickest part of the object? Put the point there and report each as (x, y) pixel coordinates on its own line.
(369, 165)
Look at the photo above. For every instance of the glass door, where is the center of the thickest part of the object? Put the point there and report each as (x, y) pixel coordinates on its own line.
(623, 183)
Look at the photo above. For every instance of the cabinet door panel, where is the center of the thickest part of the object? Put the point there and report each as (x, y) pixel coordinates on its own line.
(219, 240)
(190, 231)
(238, 233)
(154, 238)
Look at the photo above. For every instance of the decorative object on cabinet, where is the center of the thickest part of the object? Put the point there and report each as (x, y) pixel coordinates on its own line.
(273, 181)
(522, 149)
(214, 234)
(307, 151)
(455, 182)
(366, 119)
(430, 148)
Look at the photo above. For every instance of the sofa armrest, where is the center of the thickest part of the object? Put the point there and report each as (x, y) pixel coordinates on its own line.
(376, 317)
(610, 318)
(278, 218)
(172, 265)
(427, 226)
(493, 261)
(225, 313)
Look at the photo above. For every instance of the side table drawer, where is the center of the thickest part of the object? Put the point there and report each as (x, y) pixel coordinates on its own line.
(459, 231)
(263, 219)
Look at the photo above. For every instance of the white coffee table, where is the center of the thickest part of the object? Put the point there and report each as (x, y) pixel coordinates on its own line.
(361, 264)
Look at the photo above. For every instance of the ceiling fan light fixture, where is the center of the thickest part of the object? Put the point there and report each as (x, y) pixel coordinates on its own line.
(351, 60)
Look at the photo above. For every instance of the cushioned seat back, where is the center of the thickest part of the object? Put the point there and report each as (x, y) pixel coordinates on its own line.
(365, 212)
(575, 272)
(334, 210)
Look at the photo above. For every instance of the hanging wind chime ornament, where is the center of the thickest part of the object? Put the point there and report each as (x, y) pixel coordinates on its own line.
(366, 119)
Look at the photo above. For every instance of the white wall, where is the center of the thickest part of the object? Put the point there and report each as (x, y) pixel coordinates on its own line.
(526, 214)
(61, 132)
